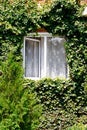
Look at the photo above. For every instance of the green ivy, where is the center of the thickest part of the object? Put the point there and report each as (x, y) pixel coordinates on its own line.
(78, 127)
(65, 19)
(16, 20)
(64, 103)
(62, 18)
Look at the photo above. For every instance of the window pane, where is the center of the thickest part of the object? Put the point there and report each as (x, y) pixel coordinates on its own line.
(56, 61)
(31, 58)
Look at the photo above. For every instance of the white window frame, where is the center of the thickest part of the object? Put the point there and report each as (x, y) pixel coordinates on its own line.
(30, 37)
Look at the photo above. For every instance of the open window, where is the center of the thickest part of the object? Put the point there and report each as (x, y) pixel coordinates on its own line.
(44, 56)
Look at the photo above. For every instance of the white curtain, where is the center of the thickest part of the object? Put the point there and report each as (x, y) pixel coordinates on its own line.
(31, 58)
(56, 60)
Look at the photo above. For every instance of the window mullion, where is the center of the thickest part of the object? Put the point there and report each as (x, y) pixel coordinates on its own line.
(39, 62)
(24, 56)
(45, 54)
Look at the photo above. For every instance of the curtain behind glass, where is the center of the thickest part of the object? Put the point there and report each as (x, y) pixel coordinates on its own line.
(31, 58)
(56, 61)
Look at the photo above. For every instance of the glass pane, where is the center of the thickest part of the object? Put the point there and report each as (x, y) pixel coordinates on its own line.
(56, 61)
(31, 58)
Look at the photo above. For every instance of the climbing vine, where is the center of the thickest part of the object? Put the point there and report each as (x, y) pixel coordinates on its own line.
(17, 18)
(65, 19)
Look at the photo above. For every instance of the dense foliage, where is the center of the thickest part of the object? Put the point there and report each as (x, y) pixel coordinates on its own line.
(17, 18)
(19, 107)
(78, 127)
(64, 104)
(65, 19)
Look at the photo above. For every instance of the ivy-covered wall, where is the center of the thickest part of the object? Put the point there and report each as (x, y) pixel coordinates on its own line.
(17, 18)
(65, 19)
(64, 104)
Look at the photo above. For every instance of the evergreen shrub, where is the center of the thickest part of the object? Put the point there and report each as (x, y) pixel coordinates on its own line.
(19, 106)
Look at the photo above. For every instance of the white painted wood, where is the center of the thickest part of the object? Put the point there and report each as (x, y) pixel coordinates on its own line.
(42, 57)
(24, 56)
(84, 13)
(45, 55)
(39, 61)
(31, 39)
